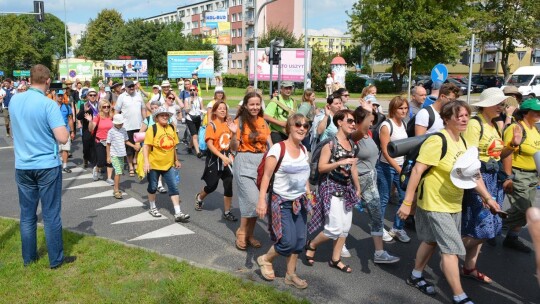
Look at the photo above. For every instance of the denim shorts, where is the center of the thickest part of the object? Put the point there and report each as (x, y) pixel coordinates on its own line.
(169, 177)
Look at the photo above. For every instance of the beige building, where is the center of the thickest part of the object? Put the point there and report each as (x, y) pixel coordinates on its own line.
(331, 44)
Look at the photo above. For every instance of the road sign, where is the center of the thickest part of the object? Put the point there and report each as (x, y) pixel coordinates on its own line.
(439, 73)
(521, 54)
(137, 65)
(412, 53)
(21, 73)
(72, 73)
(1, 73)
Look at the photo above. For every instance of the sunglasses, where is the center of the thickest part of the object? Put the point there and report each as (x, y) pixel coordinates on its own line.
(193, 90)
(105, 107)
(131, 87)
(346, 95)
(299, 124)
(170, 98)
(92, 95)
(350, 121)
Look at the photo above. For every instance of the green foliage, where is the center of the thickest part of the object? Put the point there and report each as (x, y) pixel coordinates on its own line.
(385, 86)
(235, 80)
(353, 83)
(95, 41)
(320, 67)
(280, 31)
(435, 28)
(353, 55)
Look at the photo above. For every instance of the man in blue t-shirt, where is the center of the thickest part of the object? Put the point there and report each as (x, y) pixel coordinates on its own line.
(67, 115)
(37, 127)
(6, 92)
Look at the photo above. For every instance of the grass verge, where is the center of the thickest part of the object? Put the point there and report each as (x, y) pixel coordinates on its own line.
(109, 272)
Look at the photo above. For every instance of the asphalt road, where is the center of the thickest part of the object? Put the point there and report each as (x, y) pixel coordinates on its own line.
(208, 241)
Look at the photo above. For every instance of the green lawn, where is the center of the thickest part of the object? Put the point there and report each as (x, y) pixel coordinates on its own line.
(109, 272)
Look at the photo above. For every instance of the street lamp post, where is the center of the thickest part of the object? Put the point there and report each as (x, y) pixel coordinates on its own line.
(256, 39)
(65, 39)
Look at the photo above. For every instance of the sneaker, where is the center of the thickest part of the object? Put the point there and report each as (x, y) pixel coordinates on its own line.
(181, 217)
(110, 181)
(516, 243)
(154, 212)
(161, 189)
(387, 237)
(198, 203)
(345, 252)
(67, 170)
(399, 234)
(385, 258)
(95, 174)
(229, 216)
(100, 176)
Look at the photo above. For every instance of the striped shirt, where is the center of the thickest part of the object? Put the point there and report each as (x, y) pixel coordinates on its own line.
(117, 138)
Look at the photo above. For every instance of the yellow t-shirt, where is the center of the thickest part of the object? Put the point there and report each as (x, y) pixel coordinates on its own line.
(523, 157)
(436, 192)
(491, 143)
(163, 144)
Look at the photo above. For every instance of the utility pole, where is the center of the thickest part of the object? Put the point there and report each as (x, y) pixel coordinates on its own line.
(256, 38)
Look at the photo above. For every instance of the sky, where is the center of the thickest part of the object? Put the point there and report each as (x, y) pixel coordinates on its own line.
(324, 16)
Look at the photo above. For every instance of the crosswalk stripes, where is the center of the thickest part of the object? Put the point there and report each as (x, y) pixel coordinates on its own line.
(108, 193)
(83, 176)
(94, 184)
(130, 202)
(168, 231)
(141, 217)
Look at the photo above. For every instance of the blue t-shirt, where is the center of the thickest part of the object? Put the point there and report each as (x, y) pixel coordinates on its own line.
(66, 112)
(429, 101)
(7, 98)
(33, 118)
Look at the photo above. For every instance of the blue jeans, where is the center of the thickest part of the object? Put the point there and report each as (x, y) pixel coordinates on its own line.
(169, 177)
(294, 231)
(386, 175)
(33, 186)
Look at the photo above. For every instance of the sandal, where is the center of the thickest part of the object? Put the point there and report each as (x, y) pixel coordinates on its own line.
(310, 260)
(253, 242)
(240, 240)
(480, 277)
(464, 301)
(117, 194)
(131, 173)
(334, 264)
(295, 281)
(417, 282)
(267, 271)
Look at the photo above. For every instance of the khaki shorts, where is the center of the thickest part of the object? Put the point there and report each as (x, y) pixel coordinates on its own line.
(66, 146)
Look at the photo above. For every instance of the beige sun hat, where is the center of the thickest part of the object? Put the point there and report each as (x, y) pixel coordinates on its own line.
(490, 97)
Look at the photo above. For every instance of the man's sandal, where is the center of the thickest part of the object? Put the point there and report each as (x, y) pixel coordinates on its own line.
(480, 277)
(417, 282)
(310, 260)
(267, 271)
(295, 281)
(334, 264)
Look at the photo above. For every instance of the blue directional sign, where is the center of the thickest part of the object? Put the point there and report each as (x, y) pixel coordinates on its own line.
(137, 65)
(1, 73)
(439, 73)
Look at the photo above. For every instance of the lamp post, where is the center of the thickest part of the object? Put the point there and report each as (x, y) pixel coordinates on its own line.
(65, 39)
(256, 39)
(305, 45)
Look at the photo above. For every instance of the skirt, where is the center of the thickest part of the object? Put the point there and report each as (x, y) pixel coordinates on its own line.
(245, 176)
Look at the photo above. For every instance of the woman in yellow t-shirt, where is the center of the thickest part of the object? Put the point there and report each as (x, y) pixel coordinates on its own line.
(522, 189)
(478, 223)
(221, 131)
(438, 213)
(253, 140)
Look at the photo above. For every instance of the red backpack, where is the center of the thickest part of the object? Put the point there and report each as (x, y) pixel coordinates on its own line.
(260, 168)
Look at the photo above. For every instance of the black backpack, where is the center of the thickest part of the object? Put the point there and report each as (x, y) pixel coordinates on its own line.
(314, 175)
(412, 123)
(410, 159)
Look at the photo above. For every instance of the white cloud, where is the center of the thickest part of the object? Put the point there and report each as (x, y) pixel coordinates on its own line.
(76, 28)
(325, 32)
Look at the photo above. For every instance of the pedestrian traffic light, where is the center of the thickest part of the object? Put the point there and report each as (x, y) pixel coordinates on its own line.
(39, 11)
(124, 69)
(277, 44)
(465, 57)
(409, 62)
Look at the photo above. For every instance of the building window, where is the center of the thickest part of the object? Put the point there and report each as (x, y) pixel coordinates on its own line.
(234, 18)
(188, 25)
(239, 33)
(239, 64)
(239, 2)
(196, 24)
(195, 11)
(239, 16)
(239, 48)
(233, 2)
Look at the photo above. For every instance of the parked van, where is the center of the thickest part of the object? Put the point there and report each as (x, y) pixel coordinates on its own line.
(527, 79)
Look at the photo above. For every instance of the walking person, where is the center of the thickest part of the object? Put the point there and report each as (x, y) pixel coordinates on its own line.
(438, 207)
(38, 127)
(309, 110)
(117, 140)
(88, 138)
(194, 119)
(160, 159)
(287, 204)
(220, 133)
(67, 115)
(100, 125)
(278, 110)
(253, 140)
(6, 93)
(338, 192)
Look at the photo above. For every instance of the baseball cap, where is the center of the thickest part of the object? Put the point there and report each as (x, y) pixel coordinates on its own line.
(60, 92)
(115, 84)
(84, 92)
(156, 87)
(286, 84)
(129, 83)
(531, 104)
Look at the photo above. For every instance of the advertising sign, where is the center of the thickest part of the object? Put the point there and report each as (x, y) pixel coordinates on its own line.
(182, 64)
(217, 30)
(114, 68)
(81, 70)
(292, 65)
(21, 73)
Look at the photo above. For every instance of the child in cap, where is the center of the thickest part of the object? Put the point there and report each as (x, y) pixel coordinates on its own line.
(117, 139)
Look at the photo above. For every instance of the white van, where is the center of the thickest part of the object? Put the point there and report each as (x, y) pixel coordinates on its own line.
(527, 79)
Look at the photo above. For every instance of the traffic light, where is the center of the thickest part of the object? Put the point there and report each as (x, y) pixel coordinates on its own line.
(124, 70)
(276, 57)
(39, 11)
(409, 62)
(465, 57)
(277, 44)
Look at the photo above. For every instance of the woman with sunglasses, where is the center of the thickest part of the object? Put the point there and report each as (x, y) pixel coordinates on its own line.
(100, 125)
(171, 106)
(325, 128)
(338, 192)
(389, 168)
(253, 140)
(288, 203)
(477, 223)
(219, 95)
(193, 119)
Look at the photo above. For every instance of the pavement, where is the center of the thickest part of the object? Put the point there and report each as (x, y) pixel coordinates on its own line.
(208, 241)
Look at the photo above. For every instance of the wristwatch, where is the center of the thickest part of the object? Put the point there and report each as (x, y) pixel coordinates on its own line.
(510, 176)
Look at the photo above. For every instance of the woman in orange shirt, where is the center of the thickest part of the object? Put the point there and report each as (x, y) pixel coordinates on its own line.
(253, 139)
(220, 133)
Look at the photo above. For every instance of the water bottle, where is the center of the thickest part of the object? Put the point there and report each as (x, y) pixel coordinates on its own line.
(405, 174)
(177, 176)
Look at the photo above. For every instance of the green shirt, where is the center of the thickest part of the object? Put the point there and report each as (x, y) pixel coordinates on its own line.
(276, 112)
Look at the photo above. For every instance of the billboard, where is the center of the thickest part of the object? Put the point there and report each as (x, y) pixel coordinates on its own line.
(114, 68)
(292, 65)
(81, 70)
(181, 64)
(217, 30)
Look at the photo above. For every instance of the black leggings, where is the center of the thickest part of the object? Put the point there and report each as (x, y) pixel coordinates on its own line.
(101, 156)
(211, 176)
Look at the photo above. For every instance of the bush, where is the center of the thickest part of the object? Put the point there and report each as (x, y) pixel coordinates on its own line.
(385, 86)
(237, 81)
(355, 84)
(95, 80)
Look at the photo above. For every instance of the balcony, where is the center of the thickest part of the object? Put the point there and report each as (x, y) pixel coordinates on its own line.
(249, 5)
(249, 20)
(250, 36)
(490, 65)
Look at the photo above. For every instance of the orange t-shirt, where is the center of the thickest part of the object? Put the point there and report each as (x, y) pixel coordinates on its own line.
(254, 145)
(221, 136)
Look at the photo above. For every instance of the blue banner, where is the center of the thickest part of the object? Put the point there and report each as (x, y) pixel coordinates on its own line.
(182, 64)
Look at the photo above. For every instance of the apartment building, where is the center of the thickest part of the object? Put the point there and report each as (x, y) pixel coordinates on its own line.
(241, 14)
(330, 44)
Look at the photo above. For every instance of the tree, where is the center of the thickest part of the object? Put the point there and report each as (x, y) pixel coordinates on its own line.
(435, 28)
(507, 24)
(94, 41)
(320, 67)
(353, 55)
(280, 32)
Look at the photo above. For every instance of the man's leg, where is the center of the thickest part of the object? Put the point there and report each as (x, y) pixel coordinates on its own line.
(28, 202)
(6, 120)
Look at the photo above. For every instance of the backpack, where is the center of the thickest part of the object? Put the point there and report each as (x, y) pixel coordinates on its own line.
(314, 175)
(412, 123)
(260, 168)
(410, 159)
(375, 133)
(315, 137)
